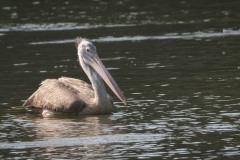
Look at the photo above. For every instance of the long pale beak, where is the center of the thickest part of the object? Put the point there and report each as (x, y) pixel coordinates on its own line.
(98, 66)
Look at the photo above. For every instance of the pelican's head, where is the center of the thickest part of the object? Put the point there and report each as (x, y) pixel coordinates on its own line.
(85, 48)
(87, 54)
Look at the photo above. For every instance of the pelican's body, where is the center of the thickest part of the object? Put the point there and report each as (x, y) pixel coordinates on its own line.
(70, 95)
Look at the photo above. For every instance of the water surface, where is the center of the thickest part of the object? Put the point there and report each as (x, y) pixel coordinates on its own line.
(176, 61)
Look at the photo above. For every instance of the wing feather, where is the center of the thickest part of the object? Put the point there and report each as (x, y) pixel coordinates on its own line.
(58, 96)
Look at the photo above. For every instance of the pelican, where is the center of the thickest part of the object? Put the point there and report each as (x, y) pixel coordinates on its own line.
(70, 95)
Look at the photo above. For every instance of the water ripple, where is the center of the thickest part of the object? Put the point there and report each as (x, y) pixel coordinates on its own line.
(30, 27)
(91, 140)
(193, 35)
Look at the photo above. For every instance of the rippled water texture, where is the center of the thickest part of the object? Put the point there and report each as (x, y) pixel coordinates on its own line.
(178, 63)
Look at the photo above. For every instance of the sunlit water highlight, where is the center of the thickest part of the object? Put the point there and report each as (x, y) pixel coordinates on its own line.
(169, 36)
(81, 141)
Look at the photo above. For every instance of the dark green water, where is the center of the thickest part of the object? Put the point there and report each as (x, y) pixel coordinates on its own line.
(178, 63)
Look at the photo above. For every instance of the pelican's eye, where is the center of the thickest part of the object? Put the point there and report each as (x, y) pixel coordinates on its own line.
(88, 50)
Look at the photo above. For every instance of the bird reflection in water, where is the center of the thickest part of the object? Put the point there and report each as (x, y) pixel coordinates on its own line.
(84, 126)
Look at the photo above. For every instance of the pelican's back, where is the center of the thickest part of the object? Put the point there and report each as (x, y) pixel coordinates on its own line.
(62, 95)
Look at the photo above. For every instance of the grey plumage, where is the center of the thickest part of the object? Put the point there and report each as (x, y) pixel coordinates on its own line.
(70, 95)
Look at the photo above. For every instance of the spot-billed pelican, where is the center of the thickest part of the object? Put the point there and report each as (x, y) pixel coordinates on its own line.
(70, 95)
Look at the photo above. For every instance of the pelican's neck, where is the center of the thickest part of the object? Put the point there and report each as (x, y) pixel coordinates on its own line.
(98, 87)
(101, 100)
(100, 94)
